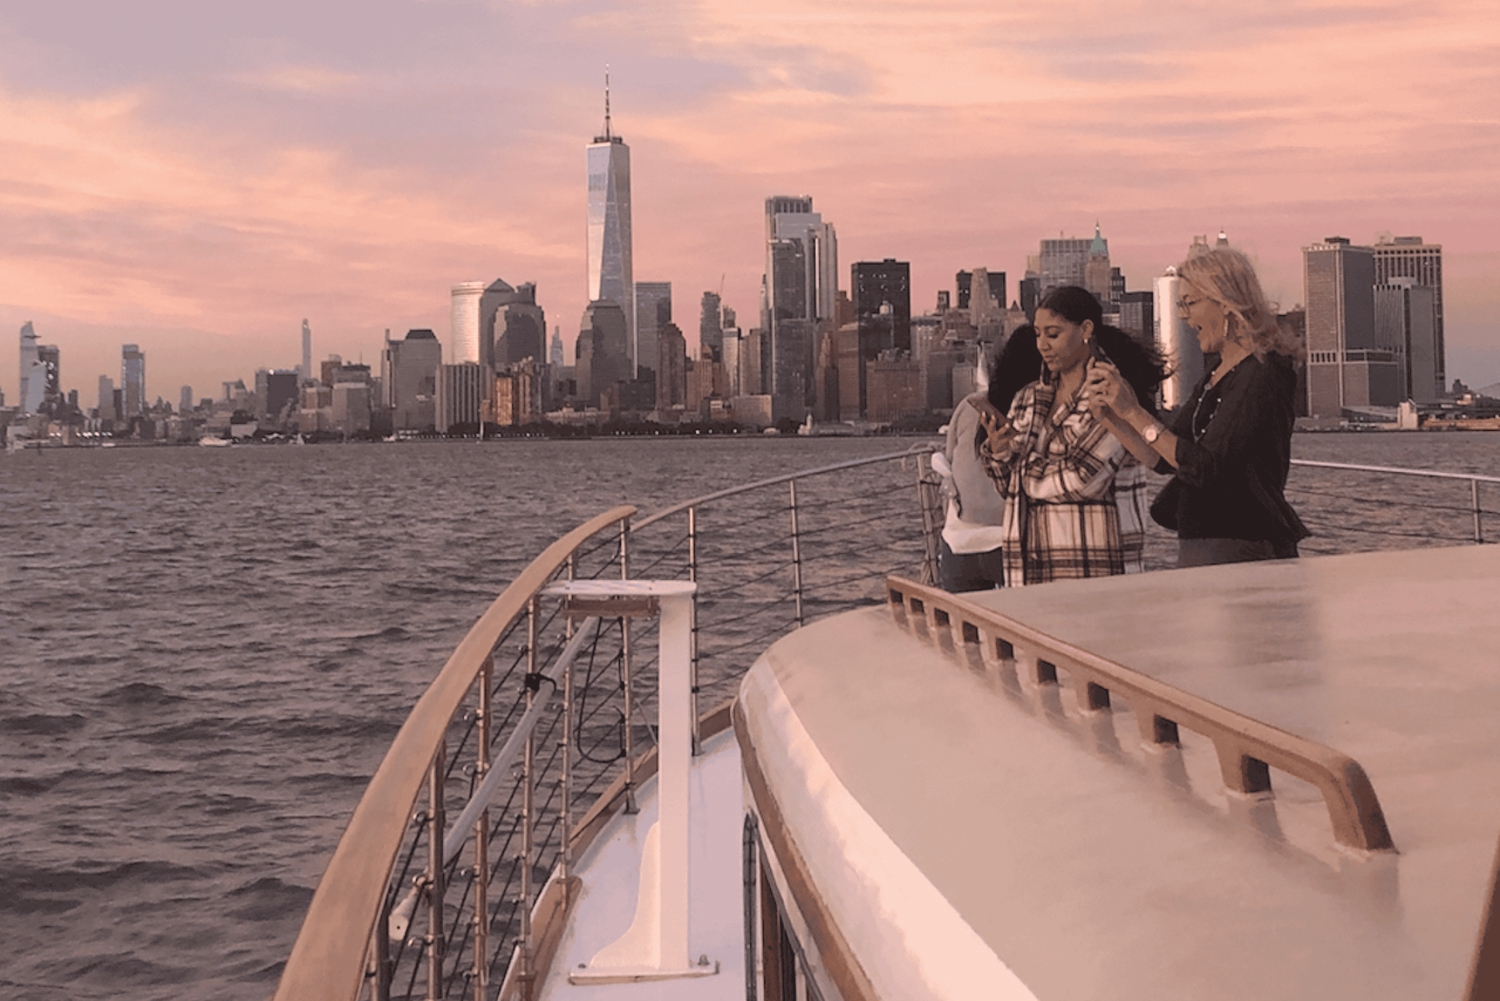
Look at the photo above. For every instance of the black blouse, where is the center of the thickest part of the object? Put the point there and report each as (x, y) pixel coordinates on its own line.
(1234, 450)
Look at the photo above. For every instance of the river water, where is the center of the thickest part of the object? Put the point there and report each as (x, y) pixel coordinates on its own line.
(205, 652)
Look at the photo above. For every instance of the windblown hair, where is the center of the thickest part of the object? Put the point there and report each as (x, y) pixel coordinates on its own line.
(1228, 278)
(1018, 364)
(1140, 364)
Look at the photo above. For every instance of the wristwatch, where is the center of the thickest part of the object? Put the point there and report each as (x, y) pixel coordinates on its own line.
(1152, 431)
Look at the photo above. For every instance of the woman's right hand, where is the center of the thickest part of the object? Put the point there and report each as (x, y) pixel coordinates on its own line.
(998, 430)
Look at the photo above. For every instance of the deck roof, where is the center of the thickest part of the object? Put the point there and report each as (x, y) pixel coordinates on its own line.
(1095, 868)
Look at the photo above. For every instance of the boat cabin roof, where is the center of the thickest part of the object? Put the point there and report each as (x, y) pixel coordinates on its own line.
(959, 820)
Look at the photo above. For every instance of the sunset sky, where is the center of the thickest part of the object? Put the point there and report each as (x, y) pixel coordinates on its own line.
(198, 177)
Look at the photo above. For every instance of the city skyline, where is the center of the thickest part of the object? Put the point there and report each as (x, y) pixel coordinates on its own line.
(151, 216)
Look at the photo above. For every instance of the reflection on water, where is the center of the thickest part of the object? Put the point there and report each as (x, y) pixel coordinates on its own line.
(207, 652)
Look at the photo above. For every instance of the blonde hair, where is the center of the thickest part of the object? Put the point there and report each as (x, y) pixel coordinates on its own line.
(1227, 277)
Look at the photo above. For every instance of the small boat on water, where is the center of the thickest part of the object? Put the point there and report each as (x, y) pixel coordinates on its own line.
(210, 441)
(670, 762)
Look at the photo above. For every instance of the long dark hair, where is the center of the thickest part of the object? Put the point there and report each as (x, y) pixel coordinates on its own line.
(1018, 364)
(1140, 364)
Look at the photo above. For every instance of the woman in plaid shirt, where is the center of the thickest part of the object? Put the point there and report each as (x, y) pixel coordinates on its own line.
(1075, 501)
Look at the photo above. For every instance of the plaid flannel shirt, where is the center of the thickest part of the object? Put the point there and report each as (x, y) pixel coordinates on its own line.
(1076, 498)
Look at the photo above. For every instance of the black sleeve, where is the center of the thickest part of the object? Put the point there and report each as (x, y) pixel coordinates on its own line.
(1254, 414)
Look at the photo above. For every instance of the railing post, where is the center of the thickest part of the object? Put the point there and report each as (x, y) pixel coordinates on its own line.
(693, 576)
(436, 830)
(525, 974)
(1474, 501)
(924, 498)
(482, 841)
(382, 989)
(630, 805)
(796, 552)
(567, 748)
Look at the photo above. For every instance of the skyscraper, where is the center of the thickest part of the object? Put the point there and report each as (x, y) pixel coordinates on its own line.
(410, 384)
(710, 326)
(184, 398)
(1063, 261)
(879, 283)
(555, 355)
(1346, 365)
(305, 373)
(1409, 257)
(800, 288)
(653, 310)
(464, 337)
(1177, 342)
(611, 271)
(1406, 317)
(512, 326)
(33, 375)
(133, 379)
(106, 398)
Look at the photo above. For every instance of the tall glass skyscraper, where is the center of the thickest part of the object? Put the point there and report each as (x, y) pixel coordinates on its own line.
(133, 379)
(611, 273)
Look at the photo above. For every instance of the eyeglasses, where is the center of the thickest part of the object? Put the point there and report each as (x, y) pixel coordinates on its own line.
(1185, 304)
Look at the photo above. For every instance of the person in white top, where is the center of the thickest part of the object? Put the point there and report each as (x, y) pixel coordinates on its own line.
(969, 555)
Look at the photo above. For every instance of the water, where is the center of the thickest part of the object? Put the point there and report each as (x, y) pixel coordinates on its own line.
(207, 652)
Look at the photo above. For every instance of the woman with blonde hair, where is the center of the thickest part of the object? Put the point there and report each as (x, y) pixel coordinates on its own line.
(1229, 446)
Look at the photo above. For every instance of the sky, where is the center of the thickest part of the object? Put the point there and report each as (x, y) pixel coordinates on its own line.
(197, 178)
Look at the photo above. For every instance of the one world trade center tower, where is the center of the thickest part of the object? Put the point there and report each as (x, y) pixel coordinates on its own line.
(611, 276)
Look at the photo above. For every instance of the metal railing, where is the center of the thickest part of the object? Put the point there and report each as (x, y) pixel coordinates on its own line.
(1443, 517)
(532, 734)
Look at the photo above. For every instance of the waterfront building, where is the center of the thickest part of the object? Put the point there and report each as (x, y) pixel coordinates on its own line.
(351, 407)
(1138, 314)
(653, 310)
(517, 396)
(33, 377)
(883, 287)
(1177, 342)
(799, 288)
(895, 387)
(49, 356)
(305, 372)
(107, 410)
(512, 326)
(555, 354)
(1409, 257)
(326, 368)
(851, 372)
(602, 352)
(1062, 261)
(133, 379)
(1346, 365)
(1097, 273)
(279, 399)
(671, 368)
(464, 327)
(711, 324)
(184, 397)
(409, 370)
(1406, 318)
(460, 395)
(611, 270)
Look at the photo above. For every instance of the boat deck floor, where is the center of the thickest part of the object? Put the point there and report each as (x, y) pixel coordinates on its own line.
(610, 871)
(1083, 865)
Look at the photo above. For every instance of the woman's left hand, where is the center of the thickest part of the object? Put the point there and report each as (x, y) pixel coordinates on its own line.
(1105, 390)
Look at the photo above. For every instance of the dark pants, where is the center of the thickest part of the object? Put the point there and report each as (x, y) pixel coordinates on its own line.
(1207, 552)
(969, 571)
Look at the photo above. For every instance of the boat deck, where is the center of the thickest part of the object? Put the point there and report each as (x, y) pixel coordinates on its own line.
(971, 832)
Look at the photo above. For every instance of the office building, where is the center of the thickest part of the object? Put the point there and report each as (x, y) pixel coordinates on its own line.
(1347, 366)
(1177, 342)
(460, 395)
(133, 379)
(1138, 314)
(881, 292)
(611, 274)
(1062, 261)
(512, 327)
(280, 398)
(184, 397)
(306, 371)
(1409, 257)
(711, 325)
(671, 368)
(107, 410)
(464, 327)
(895, 387)
(555, 355)
(653, 310)
(799, 288)
(1406, 318)
(602, 352)
(40, 372)
(409, 372)
(351, 407)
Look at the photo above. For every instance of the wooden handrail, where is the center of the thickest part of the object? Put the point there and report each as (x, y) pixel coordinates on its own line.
(1247, 747)
(327, 961)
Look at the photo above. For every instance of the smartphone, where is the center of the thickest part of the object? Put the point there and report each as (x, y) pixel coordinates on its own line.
(1096, 353)
(988, 409)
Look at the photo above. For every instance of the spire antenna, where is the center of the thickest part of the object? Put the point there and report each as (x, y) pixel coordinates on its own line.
(607, 133)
